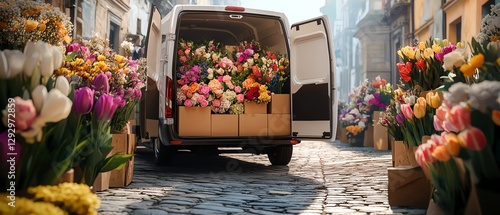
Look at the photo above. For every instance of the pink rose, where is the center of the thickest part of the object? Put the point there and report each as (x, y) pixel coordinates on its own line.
(204, 103)
(25, 113)
(240, 97)
(216, 103)
(237, 89)
(188, 103)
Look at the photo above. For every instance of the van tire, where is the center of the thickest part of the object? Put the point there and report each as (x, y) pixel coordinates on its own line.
(163, 154)
(280, 155)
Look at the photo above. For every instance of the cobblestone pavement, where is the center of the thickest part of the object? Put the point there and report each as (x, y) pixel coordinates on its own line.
(322, 178)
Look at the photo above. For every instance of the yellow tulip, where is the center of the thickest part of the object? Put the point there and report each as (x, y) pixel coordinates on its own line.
(428, 53)
(421, 46)
(433, 99)
(460, 45)
(436, 48)
(408, 52)
(400, 54)
(421, 101)
(467, 70)
(477, 61)
(445, 42)
(418, 111)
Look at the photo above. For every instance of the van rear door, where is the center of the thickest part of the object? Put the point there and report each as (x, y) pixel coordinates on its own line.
(312, 69)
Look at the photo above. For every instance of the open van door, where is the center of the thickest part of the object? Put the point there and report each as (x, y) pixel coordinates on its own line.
(149, 106)
(314, 106)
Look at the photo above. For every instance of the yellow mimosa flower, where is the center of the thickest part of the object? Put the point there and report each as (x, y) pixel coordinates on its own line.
(30, 25)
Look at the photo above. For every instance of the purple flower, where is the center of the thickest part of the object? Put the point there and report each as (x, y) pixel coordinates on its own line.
(100, 83)
(105, 107)
(83, 100)
(138, 93)
(444, 51)
(400, 119)
(73, 47)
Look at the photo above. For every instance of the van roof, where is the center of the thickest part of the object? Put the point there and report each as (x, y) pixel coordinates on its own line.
(226, 8)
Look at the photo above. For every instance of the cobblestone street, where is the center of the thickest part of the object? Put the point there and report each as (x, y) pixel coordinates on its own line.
(322, 178)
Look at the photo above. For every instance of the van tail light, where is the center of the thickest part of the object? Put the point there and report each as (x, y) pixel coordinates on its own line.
(235, 8)
(168, 97)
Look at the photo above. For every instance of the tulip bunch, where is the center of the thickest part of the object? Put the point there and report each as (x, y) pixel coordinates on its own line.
(418, 113)
(49, 136)
(97, 105)
(450, 185)
(86, 59)
(422, 64)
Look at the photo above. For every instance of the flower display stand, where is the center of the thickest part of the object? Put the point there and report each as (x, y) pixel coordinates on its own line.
(404, 155)
(343, 135)
(123, 143)
(68, 176)
(368, 141)
(194, 121)
(380, 135)
(358, 140)
(101, 182)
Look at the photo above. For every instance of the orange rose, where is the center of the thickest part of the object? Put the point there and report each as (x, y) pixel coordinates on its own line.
(30, 25)
(194, 87)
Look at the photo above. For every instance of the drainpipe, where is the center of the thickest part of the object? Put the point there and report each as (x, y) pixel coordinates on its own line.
(412, 14)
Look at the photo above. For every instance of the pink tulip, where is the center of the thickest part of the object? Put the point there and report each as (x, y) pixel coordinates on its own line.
(448, 125)
(437, 139)
(407, 111)
(460, 117)
(472, 138)
(25, 113)
(441, 112)
(423, 155)
(438, 124)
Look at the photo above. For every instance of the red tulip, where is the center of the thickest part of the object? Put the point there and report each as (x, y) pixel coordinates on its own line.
(420, 64)
(405, 70)
(472, 138)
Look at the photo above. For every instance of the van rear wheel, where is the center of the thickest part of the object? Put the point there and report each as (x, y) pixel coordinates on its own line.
(280, 155)
(163, 154)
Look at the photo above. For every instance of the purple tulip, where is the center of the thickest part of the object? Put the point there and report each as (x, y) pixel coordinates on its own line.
(400, 119)
(84, 100)
(100, 83)
(105, 107)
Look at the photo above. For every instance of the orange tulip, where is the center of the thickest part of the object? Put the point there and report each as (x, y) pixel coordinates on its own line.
(451, 142)
(495, 115)
(440, 153)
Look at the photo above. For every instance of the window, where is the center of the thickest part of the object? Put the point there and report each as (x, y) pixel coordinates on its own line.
(114, 32)
(138, 30)
(458, 31)
(455, 31)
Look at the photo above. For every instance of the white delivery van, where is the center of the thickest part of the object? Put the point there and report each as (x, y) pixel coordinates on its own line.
(310, 87)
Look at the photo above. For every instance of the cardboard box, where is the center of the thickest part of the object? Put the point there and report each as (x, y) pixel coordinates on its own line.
(408, 186)
(368, 136)
(280, 103)
(343, 135)
(255, 108)
(380, 138)
(404, 155)
(101, 182)
(225, 125)
(194, 121)
(123, 144)
(482, 201)
(278, 124)
(253, 125)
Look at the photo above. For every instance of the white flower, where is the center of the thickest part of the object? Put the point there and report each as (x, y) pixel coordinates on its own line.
(250, 61)
(62, 85)
(11, 63)
(453, 59)
(39, 94)
(361, 124)
(484, 95)
(457, 93)
(128, 46)
(410, 99)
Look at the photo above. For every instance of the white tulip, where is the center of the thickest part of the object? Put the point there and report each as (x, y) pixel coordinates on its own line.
(35, 77)
(12, 63)
(4, 66)
(58, 57)
(38, 96)
(62, 85)
(56, 107)
(46, 61)
(32, 61)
